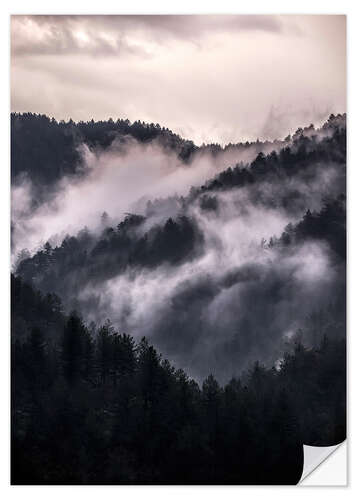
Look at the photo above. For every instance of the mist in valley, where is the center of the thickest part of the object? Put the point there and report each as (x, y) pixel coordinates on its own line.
(227, 297)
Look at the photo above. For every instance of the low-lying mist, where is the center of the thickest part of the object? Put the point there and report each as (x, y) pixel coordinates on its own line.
(231, 306)
(234, 300)
(117, 180)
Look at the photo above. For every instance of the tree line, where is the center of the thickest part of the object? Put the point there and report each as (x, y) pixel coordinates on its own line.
(47, 149)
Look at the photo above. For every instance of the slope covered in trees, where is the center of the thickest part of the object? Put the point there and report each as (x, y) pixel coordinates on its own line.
(127, 245)
(307, 150)
(92, 406)
(269, 235)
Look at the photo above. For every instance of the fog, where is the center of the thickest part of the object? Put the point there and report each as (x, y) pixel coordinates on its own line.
(116, 180)
(235, 304)
(235, 299)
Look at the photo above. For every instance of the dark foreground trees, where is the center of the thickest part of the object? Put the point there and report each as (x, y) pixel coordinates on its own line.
(96, 407)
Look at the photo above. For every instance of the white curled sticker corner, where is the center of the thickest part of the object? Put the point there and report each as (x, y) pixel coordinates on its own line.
(315, 456)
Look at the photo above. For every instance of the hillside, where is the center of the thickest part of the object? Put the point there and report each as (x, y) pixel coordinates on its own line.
(269, 235)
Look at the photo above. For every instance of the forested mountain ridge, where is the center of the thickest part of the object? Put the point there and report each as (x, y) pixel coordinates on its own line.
(304, 150)
(46, 150)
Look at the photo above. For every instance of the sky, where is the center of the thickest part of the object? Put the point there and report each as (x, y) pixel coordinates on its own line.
(210, 78)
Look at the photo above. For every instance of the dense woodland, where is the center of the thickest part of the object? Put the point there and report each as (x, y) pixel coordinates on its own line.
(96, 407)
(91, 404)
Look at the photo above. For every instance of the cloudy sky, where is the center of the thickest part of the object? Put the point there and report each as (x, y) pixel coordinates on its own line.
(210, 78)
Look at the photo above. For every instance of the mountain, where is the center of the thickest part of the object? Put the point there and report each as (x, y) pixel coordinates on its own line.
(269, 235)
(225, 350)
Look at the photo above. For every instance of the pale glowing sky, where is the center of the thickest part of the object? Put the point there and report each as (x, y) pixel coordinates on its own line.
(210, 78)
